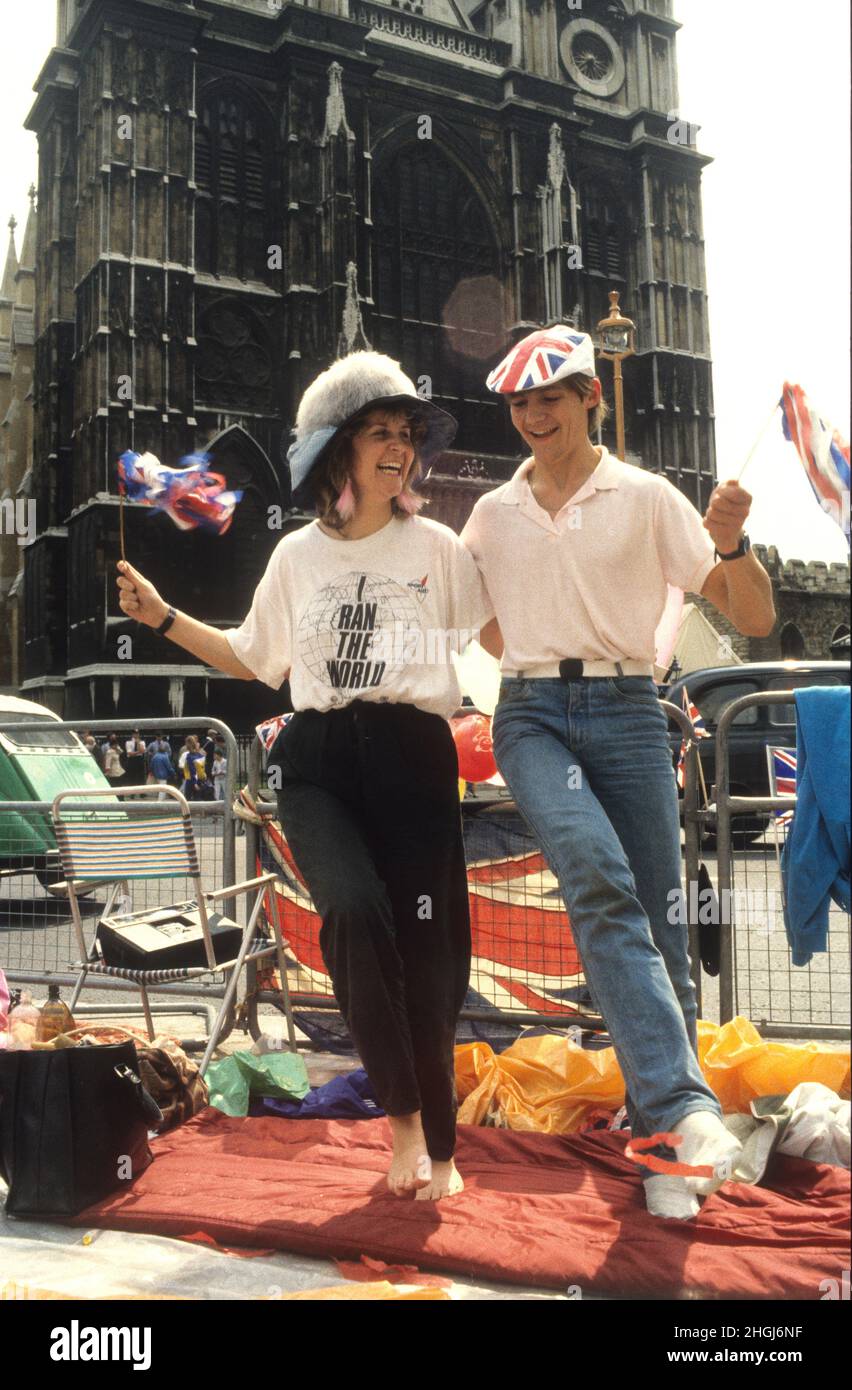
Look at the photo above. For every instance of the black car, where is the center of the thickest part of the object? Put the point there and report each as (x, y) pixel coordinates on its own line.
(754, 729)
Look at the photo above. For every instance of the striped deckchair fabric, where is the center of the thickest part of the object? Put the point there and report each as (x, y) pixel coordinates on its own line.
(159, 847)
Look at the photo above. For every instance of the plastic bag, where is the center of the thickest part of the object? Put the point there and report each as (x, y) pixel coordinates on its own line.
(551, 1085)
(232, 1080)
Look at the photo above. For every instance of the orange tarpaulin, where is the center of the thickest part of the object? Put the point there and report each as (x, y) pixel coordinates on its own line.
(551, 1085)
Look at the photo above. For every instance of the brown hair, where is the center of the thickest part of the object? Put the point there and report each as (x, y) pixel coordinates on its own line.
(335, 470)
(581, 385)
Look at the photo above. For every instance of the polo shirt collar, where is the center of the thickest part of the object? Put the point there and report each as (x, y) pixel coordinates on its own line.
(603, 479)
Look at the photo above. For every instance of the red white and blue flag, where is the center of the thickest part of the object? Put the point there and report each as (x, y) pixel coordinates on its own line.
(700, 732)
(824, 454)
(191, 495)
(271, 728)
(545, 356)
(784, 779)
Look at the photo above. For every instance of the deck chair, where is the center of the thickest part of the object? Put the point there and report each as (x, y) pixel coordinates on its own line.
(109, 844)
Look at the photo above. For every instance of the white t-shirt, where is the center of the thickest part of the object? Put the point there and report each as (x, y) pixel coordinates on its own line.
(374, 619)
(591, 582)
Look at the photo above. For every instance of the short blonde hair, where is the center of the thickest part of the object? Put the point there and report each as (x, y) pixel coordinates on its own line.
(335, 470)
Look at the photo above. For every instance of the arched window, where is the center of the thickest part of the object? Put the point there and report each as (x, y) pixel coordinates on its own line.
(792, 643)
(436, 281)
(233, 221)
(839, 644)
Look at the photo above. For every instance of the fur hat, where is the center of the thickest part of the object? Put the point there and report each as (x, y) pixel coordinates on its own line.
(348, 387)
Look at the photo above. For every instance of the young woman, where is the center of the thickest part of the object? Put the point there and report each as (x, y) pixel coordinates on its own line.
(362, 610)
(579, 734)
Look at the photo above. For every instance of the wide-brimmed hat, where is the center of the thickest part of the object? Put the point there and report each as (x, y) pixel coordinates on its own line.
(548, 355)
(353, 384)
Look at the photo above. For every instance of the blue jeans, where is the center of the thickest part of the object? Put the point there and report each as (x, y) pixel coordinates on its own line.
(590, 768)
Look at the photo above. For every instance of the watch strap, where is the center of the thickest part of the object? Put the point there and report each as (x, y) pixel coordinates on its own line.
(742, 549)
(167, 622)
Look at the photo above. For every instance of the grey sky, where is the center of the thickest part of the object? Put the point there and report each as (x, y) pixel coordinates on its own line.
(768, 82)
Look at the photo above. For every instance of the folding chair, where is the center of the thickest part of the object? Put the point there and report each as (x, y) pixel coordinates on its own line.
(110, 844)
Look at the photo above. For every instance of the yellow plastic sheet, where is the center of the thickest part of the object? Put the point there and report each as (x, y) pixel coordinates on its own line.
(551, 1085)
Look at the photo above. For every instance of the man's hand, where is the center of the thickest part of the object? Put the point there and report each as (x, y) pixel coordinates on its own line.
(139, 599)
(726, 516)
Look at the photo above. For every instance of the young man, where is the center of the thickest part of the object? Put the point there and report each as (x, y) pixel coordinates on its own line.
(576, 553)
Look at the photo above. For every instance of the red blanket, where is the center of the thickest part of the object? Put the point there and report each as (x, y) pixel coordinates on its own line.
(537, 1209)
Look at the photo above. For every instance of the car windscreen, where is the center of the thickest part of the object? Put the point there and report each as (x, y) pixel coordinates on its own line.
(713, 699)
(43, 732)
(786, 714)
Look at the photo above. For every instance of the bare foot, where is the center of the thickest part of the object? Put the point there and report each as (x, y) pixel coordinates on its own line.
(446, 1182)
(411, 1167)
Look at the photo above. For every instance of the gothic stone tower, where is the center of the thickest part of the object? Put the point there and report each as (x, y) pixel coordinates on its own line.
(232, 192)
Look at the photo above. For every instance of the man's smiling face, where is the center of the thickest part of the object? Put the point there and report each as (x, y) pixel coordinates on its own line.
(552, 420)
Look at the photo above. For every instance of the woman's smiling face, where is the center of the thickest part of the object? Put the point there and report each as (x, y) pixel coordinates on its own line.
(552, 420)
(383, 453)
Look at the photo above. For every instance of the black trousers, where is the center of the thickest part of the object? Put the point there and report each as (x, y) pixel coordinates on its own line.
(369, 805)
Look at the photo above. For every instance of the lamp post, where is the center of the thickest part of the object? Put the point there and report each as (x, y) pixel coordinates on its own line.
(618, 338)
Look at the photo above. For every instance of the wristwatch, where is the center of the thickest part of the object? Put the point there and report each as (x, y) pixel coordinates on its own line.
(167, 622)
(742, 549)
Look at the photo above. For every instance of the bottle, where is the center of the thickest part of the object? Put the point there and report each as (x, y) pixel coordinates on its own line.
(55, 1017)
(23, 1021)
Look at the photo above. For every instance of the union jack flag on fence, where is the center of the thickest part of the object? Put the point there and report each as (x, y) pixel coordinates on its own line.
(700, 732)
(823, 453)
(783, 780)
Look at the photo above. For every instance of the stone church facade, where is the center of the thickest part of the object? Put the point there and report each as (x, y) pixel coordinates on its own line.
(233, 192)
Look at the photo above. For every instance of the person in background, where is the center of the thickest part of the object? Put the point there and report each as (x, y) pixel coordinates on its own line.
(135, 751)
(192, 764)
(93, 747)
(220, 770)
(113, 766)
(209, 747)
(162, 767)
(159, 744)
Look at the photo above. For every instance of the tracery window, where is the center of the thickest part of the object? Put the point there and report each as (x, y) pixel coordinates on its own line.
(232, 174)
(436, 286)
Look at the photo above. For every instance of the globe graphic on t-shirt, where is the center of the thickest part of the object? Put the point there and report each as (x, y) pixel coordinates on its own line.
(358, 632)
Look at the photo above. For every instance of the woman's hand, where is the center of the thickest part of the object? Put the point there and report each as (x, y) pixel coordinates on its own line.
(138, 598)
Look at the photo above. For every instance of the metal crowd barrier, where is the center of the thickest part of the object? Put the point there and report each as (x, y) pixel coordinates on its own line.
(757, 977)
(323, 999)
(37, 945)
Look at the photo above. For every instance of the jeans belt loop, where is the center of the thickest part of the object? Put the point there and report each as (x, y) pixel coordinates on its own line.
(619, 668)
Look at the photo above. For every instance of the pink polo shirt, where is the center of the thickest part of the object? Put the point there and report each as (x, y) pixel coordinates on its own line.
(591, 582)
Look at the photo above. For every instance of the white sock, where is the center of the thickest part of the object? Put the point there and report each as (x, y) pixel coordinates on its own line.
(669, 1196)
(707, 1141)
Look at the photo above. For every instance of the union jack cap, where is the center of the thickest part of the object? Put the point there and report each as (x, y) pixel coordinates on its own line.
(549, 354)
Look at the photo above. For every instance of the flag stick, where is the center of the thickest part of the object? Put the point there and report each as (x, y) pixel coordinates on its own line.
(753, 449)
(121, 523)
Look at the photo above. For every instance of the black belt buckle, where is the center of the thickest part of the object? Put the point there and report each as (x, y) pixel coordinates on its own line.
(571, 669)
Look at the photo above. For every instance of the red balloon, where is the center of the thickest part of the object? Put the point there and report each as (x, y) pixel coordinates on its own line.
(474, 747)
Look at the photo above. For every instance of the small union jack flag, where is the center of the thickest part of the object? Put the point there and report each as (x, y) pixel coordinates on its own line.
(784, 780)
(700, 732)
(271, 728)
(547, 355)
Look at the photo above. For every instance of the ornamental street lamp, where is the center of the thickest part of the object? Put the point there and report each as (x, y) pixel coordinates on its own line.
(618, 338)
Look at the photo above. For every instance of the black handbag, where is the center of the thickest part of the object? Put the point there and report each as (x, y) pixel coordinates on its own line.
(73, 1126)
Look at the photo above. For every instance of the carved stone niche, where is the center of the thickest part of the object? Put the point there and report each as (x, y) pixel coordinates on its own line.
(234, 363)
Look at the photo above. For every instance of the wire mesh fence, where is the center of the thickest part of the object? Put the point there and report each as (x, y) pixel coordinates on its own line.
(758, 978)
